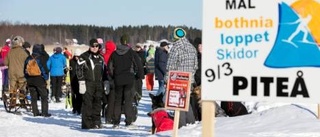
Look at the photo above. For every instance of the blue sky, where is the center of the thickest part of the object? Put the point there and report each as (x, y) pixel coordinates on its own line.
(104, 12)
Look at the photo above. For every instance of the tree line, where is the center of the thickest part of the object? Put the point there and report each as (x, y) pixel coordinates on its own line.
(51, 34)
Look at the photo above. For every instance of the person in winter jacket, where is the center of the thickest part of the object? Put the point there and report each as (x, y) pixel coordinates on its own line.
(67, 53)
(150, 68)
(92, 75)
(197, 77)
(56, 64)
(109, 99)
(46, 57)
(160, 63)
(15, 61)
(37, 84)
(124, 67)
(183, 57)
(137, 85)
(4, 52)
(74, 82)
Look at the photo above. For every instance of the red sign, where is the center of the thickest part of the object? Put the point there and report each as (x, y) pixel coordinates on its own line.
(178, 90)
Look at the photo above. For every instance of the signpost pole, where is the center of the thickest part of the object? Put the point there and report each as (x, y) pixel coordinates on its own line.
(318, 111)
(208, 118)
(176, 123)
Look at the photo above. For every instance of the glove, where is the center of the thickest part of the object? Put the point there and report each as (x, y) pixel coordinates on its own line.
(106, 87)
(82, 87)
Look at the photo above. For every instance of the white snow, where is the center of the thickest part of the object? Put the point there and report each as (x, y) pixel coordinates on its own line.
(266, 120)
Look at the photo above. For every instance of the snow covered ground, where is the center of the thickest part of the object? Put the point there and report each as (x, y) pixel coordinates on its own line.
(266, 120)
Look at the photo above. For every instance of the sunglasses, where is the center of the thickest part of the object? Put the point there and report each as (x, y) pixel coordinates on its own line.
(95, 45)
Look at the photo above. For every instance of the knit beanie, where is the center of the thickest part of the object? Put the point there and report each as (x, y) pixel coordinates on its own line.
(26, 45)
(124, 40)
(37, 49)
(8, 41)
(178, 33)
(58, 49)
(94, 41)
(17, 40)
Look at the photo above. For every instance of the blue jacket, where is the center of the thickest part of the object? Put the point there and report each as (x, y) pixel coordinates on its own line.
(56, 64)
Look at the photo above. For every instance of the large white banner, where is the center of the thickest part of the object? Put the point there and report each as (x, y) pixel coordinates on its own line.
(261, 50)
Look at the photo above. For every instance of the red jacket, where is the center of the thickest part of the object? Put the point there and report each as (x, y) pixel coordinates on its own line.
(109, 47)
(161, 120)
(4, 51)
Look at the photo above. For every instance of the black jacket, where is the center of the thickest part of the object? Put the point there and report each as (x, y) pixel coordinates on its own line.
(197, 75)
(92, 67)
(124, 66)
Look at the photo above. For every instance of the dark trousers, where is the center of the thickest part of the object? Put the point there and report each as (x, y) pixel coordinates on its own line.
(76, 97)
(138, 86)
(5, 80)
(109, 112)
(56, 83)
(123, 93)
(34, 91)
(91, 105)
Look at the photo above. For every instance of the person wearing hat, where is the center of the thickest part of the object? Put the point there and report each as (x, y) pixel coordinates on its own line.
(15, 62)
(74, 82)
(56, 64)
(37, 84)
(183, 57)
(4, 52)
(91, 74)
(197, 78)
(27, 47)
(124, 67)
(138, 81)
(109, 99)
(160, 64)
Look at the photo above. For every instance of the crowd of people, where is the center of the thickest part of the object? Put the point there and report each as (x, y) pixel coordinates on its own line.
(105, 81)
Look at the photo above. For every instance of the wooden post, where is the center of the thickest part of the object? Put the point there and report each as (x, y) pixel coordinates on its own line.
(176, 123)
(318, 111)
(208, 118)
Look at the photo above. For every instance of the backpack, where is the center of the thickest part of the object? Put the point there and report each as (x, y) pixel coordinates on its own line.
(33, 68)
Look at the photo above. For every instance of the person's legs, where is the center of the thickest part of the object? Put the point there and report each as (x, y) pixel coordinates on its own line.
(5, 79)
(86, 121)
(128, 97)
(59, 85)
(148, 82)
(96, 104)
(151, 80)
(34, 98)
(53, 80)
(118, 103)
(161, 87)
(110, 108)
(44, 101)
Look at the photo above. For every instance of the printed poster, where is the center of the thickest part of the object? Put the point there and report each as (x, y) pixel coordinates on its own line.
(178, 91)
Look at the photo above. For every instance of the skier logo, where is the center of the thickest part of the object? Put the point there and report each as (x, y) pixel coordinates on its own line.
(302, 27)
(298, 36)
